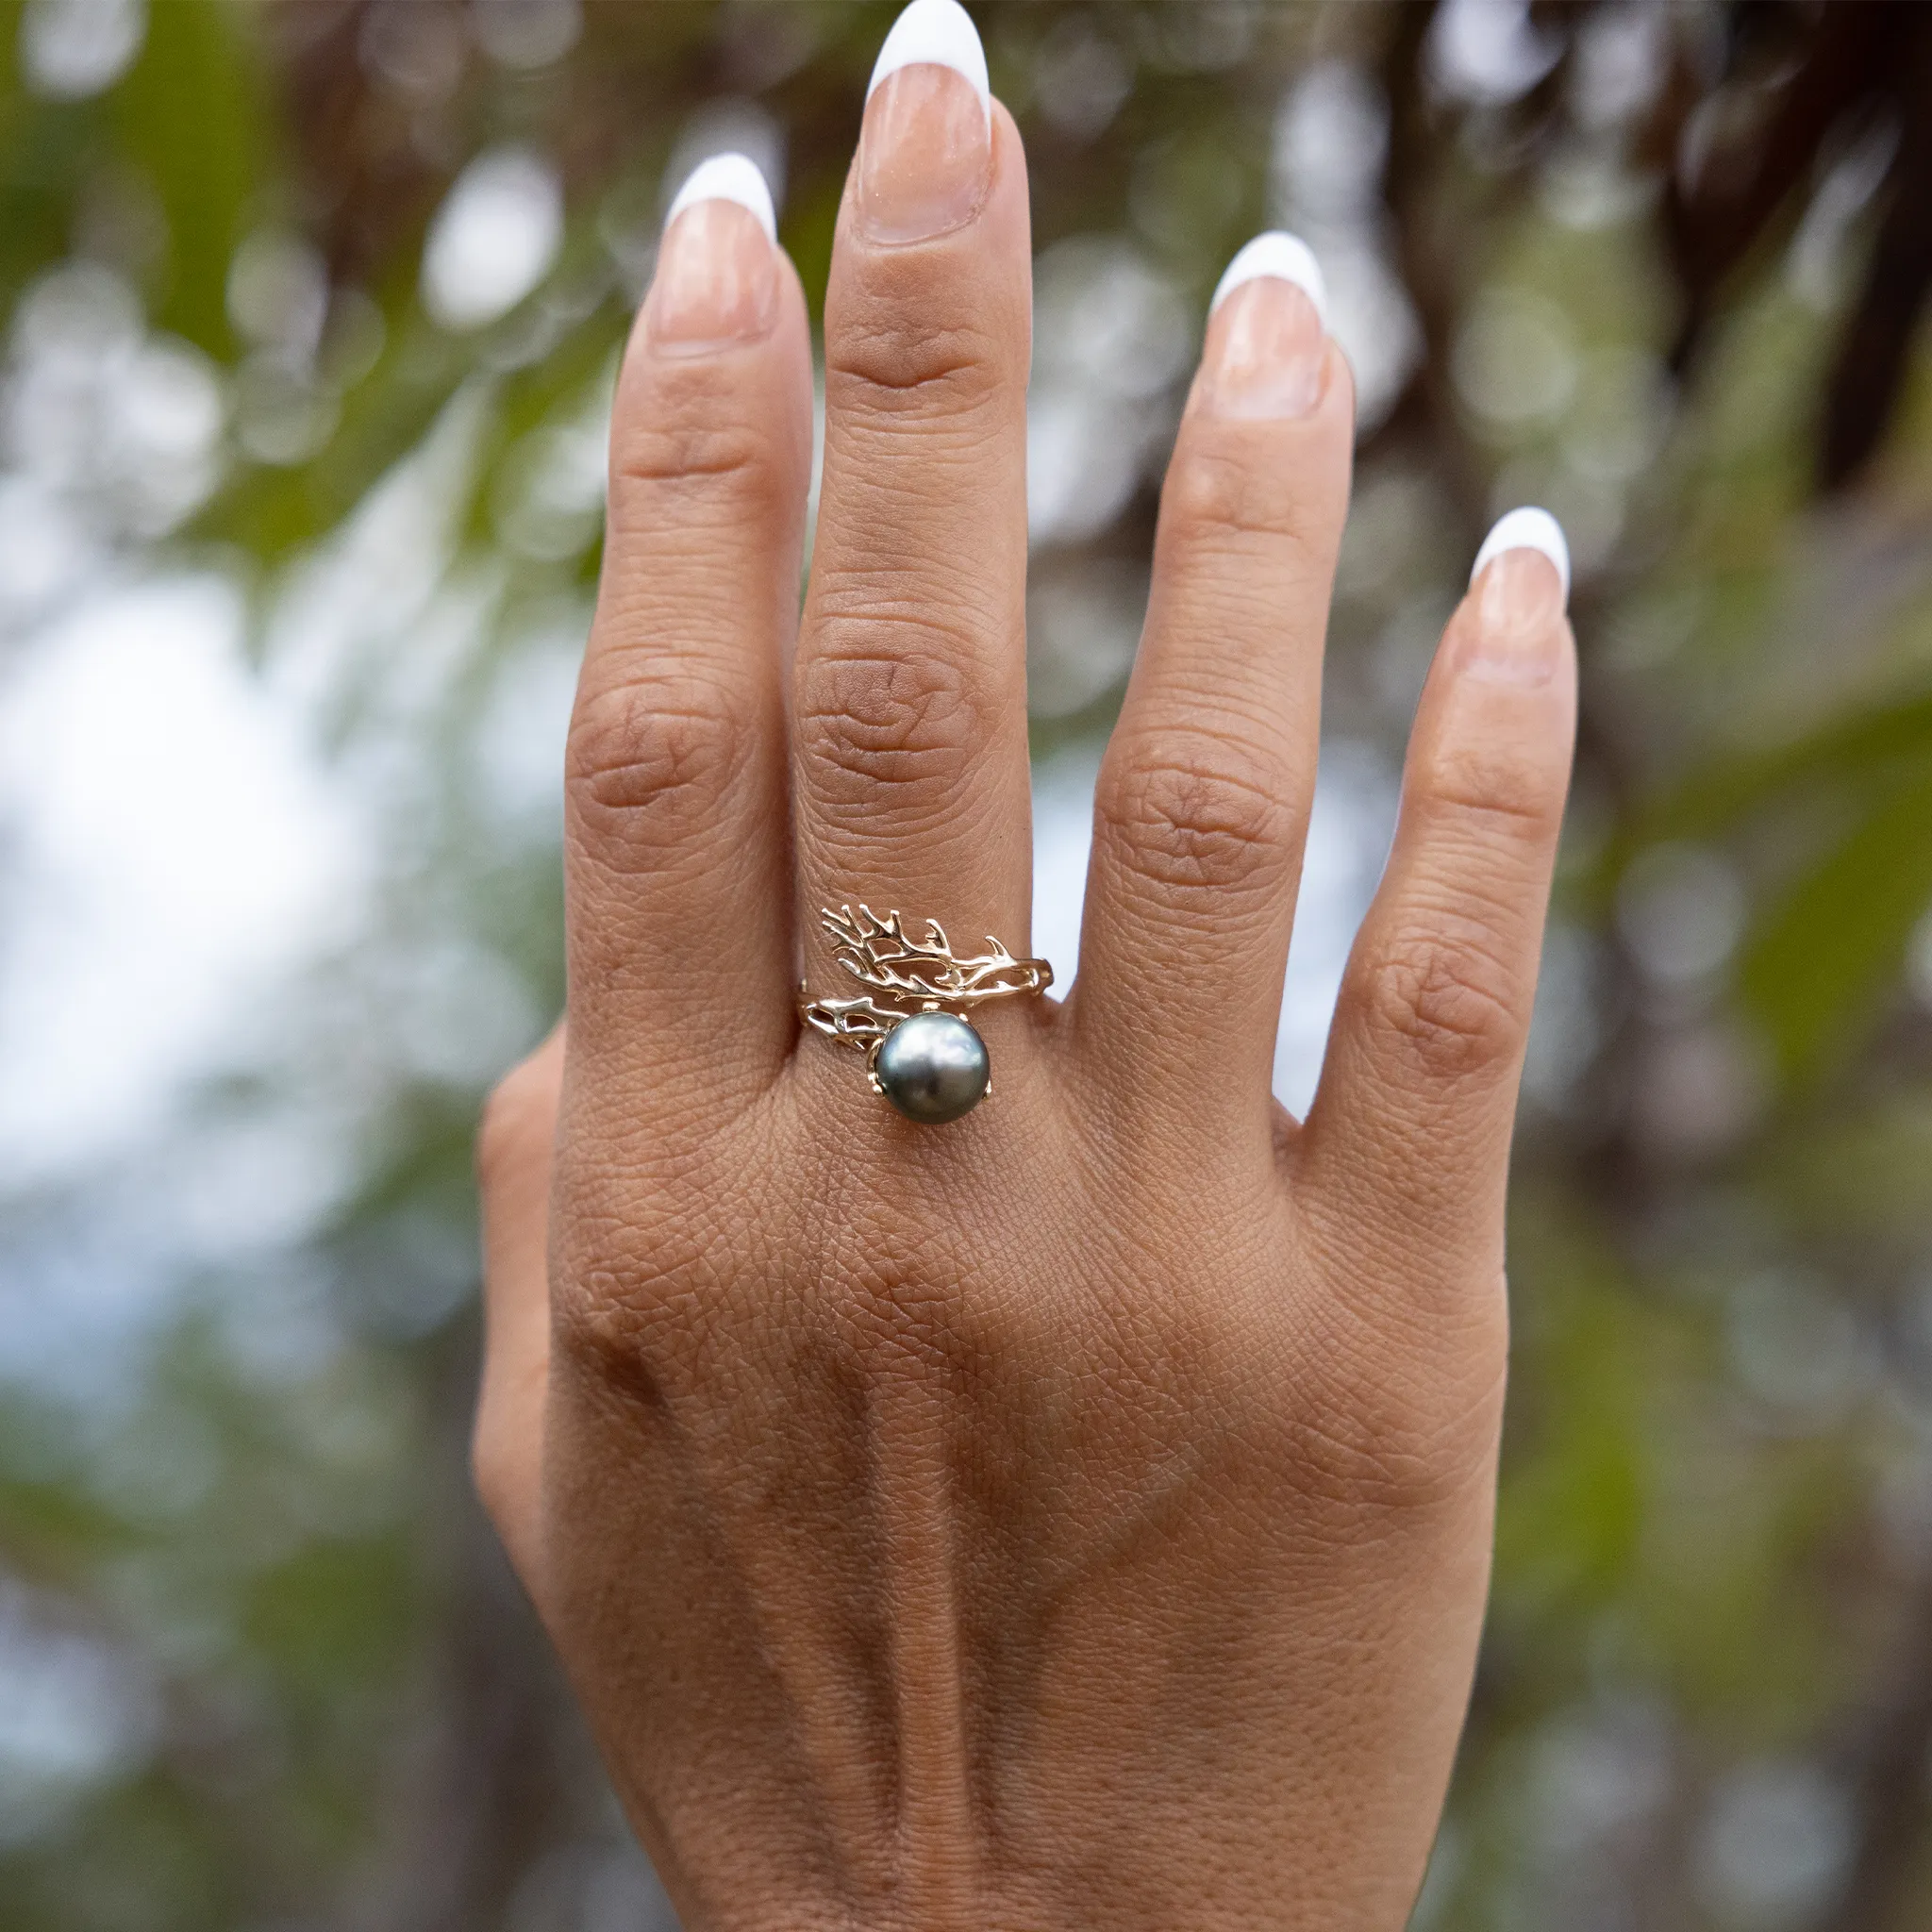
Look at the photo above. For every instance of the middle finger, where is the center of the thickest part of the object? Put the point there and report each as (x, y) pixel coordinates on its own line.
(910, 776)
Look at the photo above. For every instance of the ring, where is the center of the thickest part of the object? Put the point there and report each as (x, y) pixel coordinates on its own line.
(929, 1063)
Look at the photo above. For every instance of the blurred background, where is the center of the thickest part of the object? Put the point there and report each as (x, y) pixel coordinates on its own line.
(311, 312)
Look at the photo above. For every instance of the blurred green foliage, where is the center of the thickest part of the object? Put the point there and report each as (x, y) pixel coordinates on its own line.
(259, 1665)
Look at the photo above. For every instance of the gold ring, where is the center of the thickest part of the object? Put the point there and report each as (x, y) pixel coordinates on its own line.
(929, 1063)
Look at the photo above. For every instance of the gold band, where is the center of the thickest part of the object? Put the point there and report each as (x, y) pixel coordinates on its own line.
(882, 955)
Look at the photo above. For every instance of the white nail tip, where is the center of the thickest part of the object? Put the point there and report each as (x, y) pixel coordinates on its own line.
(1525, 530)
(728, 177)
(940, 32)
(1287, 258)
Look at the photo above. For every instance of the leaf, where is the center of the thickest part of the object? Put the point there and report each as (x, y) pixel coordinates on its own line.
(192, 117)
(1822, 962)
(1851, 748)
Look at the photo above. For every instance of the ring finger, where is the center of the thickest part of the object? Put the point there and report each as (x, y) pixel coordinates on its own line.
(910, 774)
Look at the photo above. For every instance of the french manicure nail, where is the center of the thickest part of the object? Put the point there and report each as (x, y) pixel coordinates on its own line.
(1521, 577)
(717, 279)
(926, 153)
(1266, 353)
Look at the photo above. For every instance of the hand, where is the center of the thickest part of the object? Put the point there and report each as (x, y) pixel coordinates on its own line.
(1077, 1515)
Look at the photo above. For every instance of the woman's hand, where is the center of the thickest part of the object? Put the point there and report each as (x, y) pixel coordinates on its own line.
(1077, 1515)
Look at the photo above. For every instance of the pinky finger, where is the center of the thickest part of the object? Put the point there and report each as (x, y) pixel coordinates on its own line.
(1410, 1131)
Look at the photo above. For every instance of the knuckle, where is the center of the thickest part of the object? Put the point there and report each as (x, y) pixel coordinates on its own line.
(602, 1307)
(906, 725)
(897, 1317)
(651, 763)
(1394, 1441)
(593, 1314)
(635, 1277)
(515, 1125)
(890, 363)
(1490, 790)
(1215, 501)
(634, 1330)
(691, 459)
(686, 450)
(902, 1306)
(1449, 1000)
(1207, 819)
(492, 1470)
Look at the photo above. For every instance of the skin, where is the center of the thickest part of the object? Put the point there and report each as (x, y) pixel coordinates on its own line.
(1077, 1515)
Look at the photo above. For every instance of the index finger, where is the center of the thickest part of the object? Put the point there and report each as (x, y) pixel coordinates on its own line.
(678, 876)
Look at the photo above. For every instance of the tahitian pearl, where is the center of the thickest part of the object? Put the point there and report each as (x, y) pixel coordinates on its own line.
(933, 1067)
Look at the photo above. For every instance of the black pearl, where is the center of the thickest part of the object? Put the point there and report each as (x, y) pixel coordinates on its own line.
(933, 1067)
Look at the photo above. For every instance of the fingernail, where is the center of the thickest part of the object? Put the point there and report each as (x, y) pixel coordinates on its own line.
(1521, 577)
(717, 279)
(1266, 353)
(925, 154)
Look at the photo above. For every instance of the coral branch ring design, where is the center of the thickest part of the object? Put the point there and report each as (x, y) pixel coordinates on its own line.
(928, 1062)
